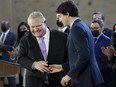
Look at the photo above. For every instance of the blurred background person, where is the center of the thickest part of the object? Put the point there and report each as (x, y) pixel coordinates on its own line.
(114, 27)
(100, 16)
(111, 53)
(22, 30)
(7, 40)
(101, 40)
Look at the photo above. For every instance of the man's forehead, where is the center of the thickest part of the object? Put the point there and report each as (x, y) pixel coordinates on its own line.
(94, 24)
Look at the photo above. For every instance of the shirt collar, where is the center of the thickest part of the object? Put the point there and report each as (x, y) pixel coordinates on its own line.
(62, 29)
(73, 21)
(6, 32)
(99, 36)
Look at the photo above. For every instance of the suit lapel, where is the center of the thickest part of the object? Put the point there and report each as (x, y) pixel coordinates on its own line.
(50, 44)
(36, 47)
(100, 39)
(7, 37)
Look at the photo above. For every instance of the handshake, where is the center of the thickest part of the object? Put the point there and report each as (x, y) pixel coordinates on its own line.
(45, 68)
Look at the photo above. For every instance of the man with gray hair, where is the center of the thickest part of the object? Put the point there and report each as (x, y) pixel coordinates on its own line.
(42, 55)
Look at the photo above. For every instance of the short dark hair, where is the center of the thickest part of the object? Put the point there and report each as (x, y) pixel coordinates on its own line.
(68, 7)
(114, 27)
(101, 24)
(102, 15)
(114, 40)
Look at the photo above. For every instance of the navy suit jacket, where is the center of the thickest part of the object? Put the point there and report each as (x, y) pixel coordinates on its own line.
(67, 30)
(108, 32)
(30, 51)
(104, 41)
(84, 70)
(8, 44)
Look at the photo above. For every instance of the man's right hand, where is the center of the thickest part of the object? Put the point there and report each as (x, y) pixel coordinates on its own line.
(41, 66)
(65, 80)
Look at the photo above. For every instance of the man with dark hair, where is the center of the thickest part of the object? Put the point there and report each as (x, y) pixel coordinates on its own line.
(100, 16)
(7, 40)
(101, 41)
(62, 28)
(84, 71)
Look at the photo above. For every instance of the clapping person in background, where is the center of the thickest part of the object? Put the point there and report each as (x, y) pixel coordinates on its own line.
(22, 30)
(114, 27)
(111, 53)
(101, 40)
(7, 41)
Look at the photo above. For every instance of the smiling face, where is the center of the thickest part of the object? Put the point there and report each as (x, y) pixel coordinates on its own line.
(37, 27)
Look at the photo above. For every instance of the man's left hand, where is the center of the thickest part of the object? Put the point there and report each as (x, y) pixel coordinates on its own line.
(65, 80)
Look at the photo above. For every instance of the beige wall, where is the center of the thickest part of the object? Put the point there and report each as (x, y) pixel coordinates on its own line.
(16, 11)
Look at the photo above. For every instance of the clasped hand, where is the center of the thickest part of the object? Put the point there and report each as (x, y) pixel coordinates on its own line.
(44, 67)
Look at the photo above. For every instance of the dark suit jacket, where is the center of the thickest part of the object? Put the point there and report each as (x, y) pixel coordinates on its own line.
(84, 69)
(30, 51)
(108, 32)
(8, 44)
(67, 30)
(104, 41)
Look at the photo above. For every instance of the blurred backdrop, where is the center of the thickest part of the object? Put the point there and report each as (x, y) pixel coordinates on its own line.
(16, 11)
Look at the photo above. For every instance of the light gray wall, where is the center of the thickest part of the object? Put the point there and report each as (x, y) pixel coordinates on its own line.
(16, 11)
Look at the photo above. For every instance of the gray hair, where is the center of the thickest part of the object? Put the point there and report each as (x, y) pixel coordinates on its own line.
(36, 14)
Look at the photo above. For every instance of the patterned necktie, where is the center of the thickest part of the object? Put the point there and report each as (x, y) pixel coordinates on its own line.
(43, 48)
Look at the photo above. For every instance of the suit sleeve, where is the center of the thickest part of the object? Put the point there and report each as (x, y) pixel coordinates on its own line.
(81, 45)
(23, 58)
(65, 65)
(105, 44)
(12, 40)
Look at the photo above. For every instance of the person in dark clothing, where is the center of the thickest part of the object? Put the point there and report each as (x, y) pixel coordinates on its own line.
(99, 16)
(111, 53)
(84, 70)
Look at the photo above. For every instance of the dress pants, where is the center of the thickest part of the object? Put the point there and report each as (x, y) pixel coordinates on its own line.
(11, 81)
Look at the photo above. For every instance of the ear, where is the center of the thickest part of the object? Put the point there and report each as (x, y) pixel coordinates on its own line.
(67, 14)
